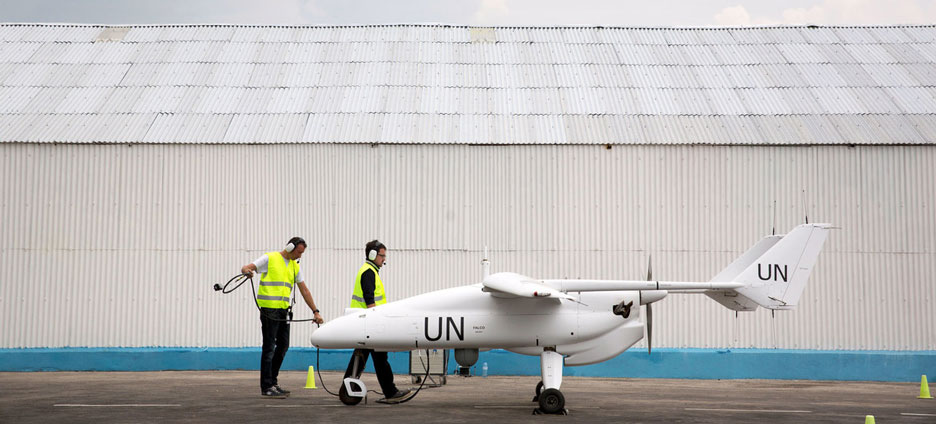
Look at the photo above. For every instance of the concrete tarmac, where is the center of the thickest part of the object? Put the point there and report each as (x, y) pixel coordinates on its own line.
(234, 396)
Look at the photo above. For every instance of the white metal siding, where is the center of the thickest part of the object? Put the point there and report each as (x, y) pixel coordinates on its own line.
(118, 245)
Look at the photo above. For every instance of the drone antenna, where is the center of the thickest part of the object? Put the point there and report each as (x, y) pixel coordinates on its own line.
(485, 265)
(773, 230)
(805, 208)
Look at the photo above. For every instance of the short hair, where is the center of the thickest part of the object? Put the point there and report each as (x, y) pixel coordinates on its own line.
(296, 241)
(373, 245)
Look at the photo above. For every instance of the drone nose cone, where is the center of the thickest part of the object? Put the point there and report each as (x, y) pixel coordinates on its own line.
(346, 332)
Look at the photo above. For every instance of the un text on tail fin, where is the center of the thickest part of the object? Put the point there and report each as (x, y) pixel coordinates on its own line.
(776, 279)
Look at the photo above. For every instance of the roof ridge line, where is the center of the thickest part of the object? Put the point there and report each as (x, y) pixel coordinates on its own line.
(443, 25)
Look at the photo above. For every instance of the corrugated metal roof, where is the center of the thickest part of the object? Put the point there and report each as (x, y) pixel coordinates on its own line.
(262, 84)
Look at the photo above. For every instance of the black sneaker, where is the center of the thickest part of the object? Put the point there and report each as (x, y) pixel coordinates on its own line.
(399, 397)
(281, 390)
(272, 393)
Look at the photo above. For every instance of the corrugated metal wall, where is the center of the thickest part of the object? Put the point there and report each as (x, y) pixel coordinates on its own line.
(118, 245)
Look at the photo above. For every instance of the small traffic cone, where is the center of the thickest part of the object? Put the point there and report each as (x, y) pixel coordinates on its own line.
(869, 419)
(310, 380)
(924, 389)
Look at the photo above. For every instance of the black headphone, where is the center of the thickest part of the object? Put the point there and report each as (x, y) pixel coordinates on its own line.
(293, 242)
(372, 248)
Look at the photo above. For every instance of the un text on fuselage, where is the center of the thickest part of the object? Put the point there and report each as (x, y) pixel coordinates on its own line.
(773, 271)
(450, 328)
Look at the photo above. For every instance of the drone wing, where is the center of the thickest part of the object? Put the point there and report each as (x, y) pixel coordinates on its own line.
(509, 284)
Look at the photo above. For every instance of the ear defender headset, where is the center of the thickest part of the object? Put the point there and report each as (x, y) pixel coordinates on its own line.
(293, 242)
(372, 248)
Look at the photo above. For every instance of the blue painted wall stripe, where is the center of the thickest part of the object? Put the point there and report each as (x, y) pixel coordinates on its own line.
(905, 366)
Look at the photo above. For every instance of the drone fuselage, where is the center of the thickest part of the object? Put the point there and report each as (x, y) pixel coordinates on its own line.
(469, 318)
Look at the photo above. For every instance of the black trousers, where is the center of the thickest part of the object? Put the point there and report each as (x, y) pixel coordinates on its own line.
(275, 344)
(381, 366)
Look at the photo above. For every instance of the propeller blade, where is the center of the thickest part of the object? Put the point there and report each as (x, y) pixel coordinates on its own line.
(649, 308)
(649, 327)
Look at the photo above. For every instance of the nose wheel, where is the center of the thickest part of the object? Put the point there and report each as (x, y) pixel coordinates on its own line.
(346, 399)
(358, 358)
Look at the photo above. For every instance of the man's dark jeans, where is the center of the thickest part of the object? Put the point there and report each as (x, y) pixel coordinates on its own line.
(275, 344)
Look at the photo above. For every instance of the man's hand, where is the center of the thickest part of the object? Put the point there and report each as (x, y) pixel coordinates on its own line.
(246, 270)
(318, 318)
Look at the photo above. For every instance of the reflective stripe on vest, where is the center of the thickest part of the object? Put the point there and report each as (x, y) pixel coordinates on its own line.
(361, 299)
(277, 298)
(357, 298)
(276, 284)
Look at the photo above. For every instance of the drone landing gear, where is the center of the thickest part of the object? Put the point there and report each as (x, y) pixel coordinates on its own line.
(352, 389)
(551, 400)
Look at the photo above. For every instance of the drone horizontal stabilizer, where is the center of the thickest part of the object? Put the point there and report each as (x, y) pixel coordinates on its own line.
(613, 285)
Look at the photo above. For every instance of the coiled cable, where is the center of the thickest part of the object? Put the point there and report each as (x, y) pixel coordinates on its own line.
(238, 280)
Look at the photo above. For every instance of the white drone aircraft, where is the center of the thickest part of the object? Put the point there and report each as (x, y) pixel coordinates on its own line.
(564, 322)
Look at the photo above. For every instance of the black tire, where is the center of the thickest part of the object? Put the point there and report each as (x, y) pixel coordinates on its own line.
(539, 388)
(551, 401)
(347, 400)
(415, 379)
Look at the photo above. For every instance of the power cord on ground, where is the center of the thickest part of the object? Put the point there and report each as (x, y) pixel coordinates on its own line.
(322, 380)
(426, 377)
(318, 369)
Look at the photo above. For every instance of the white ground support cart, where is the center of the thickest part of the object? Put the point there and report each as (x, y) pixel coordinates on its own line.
(437, 362)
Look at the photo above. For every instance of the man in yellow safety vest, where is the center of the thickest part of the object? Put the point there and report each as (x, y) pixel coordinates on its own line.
(368, 293)
(279, 273)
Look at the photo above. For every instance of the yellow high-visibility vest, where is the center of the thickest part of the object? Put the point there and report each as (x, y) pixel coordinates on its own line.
(277, 282)
(357, 298)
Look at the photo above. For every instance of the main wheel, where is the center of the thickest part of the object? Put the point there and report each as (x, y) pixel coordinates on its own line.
(551, 401)
(347, 400)
(539, 389)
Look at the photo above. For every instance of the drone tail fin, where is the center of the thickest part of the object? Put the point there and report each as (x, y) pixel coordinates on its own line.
(774, 271)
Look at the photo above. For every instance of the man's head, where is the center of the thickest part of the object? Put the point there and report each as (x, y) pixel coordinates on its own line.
(376, 252)
(294, 248)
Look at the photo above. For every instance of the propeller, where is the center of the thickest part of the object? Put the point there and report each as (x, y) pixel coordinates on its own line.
(649, 307)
